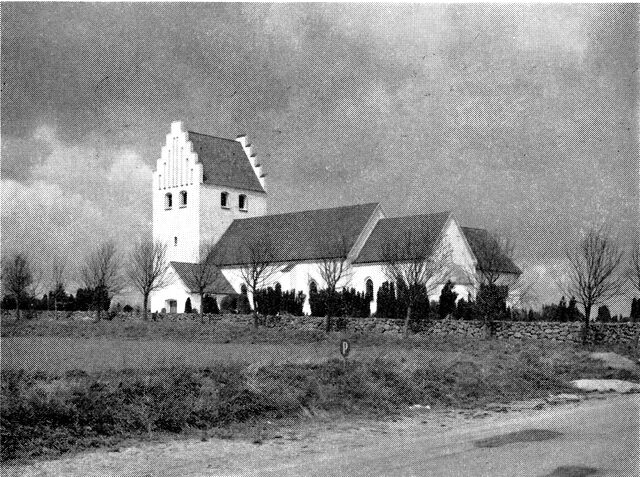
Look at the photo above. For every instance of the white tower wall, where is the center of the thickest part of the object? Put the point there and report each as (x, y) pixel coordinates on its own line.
(185, 229)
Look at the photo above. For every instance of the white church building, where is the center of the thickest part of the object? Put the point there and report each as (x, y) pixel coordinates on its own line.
(212, 190)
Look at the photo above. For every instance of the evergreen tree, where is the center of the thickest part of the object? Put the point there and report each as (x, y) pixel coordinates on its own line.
(604, 315)
(562, 310)
(187, 306)
(573, 314)
(448, 297)
(635, 312)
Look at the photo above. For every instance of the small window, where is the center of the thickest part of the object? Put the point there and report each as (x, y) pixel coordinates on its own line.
(183, 198)
(224, 200)
(175, 241)
(369, 289)
(242, 202)
(168, 201)
(313, 287)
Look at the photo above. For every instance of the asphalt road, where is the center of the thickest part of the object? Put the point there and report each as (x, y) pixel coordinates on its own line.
(590, 438)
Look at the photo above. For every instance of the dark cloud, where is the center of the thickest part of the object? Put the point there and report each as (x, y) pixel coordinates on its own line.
(520, 117)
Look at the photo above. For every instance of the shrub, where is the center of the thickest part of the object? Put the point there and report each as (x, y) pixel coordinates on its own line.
(272, 301)
(386, 300)
(635, 310)
(127, 308)
(292, 302)
(347, 302)
(187, 306)
(447, 304)
(492, 301)
(243, 305)
(354, 303)
(604, 315)
(210, 305)
(466, 310)
(229, 304)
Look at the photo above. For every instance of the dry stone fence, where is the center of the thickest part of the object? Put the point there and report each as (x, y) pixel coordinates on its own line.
(624, 332)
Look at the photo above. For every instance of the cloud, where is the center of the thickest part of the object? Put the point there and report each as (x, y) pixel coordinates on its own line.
(518, 116)
(75, 198)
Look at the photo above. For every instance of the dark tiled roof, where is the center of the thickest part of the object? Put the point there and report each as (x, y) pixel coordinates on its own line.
(185, 272)
(427, 226)
(224, 162)
(487, 251)
(295, 236)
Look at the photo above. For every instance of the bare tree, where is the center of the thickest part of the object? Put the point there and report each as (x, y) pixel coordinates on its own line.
(593, 276)
(634, 271)
(495, 253)
(148, 269)
(204, 275)
(496, 279)
(335, 270)
(57, 282)
(418, 262)
(18, 279)
(102, 274)
(258, 267)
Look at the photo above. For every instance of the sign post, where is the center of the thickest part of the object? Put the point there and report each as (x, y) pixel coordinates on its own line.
(345, 347)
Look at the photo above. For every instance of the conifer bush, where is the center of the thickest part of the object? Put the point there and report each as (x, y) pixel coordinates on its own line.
(243, 306)
(447, 304)
(210, 305)
(229, 304)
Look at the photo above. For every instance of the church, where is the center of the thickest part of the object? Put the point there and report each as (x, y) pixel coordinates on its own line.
(211, 190)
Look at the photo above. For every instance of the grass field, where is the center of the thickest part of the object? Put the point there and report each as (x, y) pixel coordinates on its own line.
(69, 386)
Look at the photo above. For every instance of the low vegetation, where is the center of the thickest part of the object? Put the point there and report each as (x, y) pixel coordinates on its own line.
(185, 378)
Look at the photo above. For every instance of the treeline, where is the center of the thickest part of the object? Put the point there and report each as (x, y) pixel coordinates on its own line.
(490, 300)
(85, 299)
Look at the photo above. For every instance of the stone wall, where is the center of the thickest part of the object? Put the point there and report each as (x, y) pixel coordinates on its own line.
(511, 330)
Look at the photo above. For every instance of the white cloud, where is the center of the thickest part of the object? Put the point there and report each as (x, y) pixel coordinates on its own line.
(77, 197)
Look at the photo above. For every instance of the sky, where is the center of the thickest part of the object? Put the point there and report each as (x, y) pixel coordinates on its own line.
(517, 118)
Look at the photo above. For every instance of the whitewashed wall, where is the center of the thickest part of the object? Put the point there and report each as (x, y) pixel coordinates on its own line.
(300, 275)
(177, 170)
(176, 290)
(214, 220)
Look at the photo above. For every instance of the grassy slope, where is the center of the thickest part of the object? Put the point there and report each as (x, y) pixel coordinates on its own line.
(73, 386)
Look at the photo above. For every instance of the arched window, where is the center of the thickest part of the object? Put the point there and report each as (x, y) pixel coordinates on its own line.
(224, 200)
(183, 198)
(242, 202)
(168, 201)
(369, 289)
(313, 287)
(243, 289)
(175, 241)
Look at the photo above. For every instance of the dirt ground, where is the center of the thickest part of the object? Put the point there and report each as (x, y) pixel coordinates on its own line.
(286, 446)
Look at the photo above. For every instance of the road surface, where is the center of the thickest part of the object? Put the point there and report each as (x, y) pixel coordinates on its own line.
(598, 437)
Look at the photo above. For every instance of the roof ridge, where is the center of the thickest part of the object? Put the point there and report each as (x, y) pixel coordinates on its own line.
(444, 212)
(308, 210)
(212, 136)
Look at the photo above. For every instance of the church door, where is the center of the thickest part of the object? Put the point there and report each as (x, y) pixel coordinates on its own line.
(173, 306)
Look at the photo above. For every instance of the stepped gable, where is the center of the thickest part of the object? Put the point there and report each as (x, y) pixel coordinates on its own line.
(185, 272)
(390, 230)
(479, 239)
(224, 162)
(295, 236)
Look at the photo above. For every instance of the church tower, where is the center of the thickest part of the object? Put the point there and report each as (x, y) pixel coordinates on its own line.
(201, 184)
